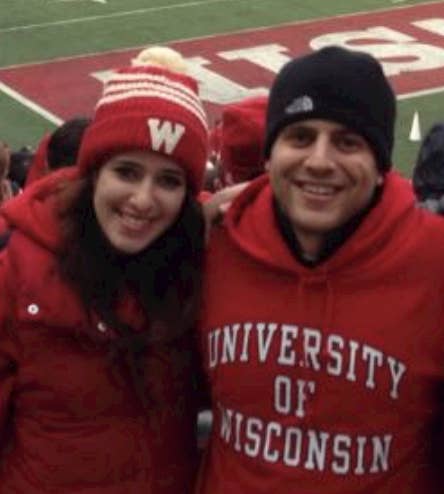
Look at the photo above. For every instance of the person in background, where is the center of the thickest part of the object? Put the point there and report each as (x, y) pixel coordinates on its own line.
(100, 283)
(428, 172)
(6, 188)
(58, 148)
(237, 142)
(20, 163)
(64, 143)
(6, 191)
(322, 325)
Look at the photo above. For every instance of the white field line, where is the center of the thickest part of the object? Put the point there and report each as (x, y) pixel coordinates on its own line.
(30, 104)
(196, 3)
(114, 15)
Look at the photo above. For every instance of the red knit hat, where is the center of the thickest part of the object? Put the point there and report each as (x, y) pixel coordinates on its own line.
(242, 136)
(149, 108)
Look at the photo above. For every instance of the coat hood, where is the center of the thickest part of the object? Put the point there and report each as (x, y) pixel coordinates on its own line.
(34, 212)
(251, 224)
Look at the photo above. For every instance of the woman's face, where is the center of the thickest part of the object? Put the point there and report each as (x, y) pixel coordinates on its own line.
(137, 197)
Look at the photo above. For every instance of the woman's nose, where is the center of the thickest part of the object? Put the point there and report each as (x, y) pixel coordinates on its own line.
(143, 197)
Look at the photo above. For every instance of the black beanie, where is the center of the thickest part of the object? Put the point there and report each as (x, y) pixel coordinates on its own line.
(348, 87)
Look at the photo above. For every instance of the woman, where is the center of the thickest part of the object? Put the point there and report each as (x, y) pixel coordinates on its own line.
(100, 283)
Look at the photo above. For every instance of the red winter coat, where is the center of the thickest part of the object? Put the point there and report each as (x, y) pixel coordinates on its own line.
(326, 380)
(70, 422)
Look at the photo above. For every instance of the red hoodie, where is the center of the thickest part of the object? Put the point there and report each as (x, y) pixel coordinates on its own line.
(324, 380)
(70, 422)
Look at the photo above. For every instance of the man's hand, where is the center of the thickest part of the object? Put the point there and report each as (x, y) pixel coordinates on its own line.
(217, 205)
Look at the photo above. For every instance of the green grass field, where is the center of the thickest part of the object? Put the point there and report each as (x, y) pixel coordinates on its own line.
(42, 30)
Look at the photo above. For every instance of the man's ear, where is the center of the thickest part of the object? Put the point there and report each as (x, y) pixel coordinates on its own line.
(267, 166)
(380, 179)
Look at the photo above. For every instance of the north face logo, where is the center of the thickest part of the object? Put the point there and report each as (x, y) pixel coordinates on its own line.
(165, 133)
(302, 104)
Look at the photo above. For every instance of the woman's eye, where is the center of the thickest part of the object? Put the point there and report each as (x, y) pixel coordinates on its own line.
(126, 172)
(171, 181)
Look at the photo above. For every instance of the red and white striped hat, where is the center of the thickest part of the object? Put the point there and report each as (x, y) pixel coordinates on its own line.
(149, 108)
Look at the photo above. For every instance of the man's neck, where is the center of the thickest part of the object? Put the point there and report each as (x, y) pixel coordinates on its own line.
(312, 249)
(311, 245)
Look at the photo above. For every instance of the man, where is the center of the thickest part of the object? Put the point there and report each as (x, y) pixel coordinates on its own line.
(323, 316)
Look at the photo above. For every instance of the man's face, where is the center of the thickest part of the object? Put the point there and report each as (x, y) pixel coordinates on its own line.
(322, 174)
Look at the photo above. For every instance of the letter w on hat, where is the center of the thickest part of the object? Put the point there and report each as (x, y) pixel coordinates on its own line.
(165, 133)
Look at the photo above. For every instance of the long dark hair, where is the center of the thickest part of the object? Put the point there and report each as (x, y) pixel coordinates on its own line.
(165, 277)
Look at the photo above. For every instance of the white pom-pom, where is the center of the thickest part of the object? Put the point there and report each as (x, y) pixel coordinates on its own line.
(161, 56)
